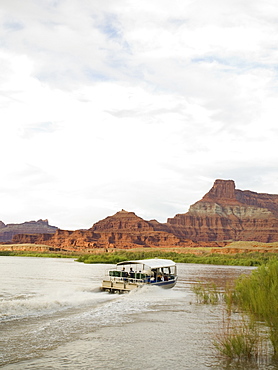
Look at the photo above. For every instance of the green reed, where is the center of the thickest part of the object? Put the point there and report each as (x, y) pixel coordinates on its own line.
(206, 293)
(253, 333)
(239, 340)
(257, 294)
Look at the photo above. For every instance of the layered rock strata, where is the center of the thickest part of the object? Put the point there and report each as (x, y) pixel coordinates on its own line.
(123, 230)
(226, 213)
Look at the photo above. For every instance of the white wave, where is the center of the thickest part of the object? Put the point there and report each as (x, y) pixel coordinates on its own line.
(26, 306)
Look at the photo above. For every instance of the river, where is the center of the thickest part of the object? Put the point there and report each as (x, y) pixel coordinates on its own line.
(53, 316)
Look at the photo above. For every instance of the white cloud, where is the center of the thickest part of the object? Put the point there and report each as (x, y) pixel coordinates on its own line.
(110, 105)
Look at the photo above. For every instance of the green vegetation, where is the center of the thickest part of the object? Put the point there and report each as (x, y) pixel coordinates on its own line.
(257, 295)
(254, 335)
(201, 255)
(37, 254)
(240, 259)
(242, 341)
(206, 293)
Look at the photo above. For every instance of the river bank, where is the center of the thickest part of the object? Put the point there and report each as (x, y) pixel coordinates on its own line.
(243, 254)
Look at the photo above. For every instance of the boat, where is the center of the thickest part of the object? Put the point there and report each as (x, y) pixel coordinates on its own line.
(130, 275)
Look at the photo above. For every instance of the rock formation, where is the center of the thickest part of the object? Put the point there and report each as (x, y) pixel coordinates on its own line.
(123, 230)
(226, 213)
(31, 227)
(126, 230)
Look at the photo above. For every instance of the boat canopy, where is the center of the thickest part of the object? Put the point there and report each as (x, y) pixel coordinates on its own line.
(152, 263)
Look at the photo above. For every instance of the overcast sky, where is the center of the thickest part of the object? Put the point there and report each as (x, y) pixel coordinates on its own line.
(137, 105)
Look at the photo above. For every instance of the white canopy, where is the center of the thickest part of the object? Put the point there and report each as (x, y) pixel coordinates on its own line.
(152, 263)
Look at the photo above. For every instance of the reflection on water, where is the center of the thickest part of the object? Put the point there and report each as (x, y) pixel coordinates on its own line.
(52, 316)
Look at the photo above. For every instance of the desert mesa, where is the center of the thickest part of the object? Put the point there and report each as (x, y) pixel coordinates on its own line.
(223, 215)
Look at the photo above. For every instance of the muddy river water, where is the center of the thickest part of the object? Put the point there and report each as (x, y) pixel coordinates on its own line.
(53, 316)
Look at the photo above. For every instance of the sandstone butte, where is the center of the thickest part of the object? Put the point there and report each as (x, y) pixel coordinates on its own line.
(223, 215)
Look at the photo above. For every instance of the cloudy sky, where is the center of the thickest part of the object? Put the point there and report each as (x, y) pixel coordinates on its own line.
(138, 105)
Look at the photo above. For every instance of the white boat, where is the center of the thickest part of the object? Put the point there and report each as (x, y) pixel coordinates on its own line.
(129, 275)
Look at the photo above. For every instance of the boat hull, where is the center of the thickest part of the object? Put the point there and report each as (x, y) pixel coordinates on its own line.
(165, 284)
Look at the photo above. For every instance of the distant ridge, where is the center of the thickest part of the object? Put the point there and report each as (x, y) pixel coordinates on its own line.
(8, 231)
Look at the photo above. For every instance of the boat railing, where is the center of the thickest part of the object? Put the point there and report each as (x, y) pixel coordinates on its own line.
(137, 277)
(124, 274)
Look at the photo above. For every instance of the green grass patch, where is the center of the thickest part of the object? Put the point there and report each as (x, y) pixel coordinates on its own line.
(37, 254)
(240, 259)
(204, 257)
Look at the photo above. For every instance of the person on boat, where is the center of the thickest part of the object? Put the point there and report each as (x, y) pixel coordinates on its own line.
(154, 271)
(124, 273)
(131, 273)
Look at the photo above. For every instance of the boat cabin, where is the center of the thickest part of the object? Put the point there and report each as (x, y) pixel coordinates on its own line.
(129, 275)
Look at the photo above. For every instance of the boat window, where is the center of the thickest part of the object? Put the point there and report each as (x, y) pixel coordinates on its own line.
(172, 270)
(139, 275)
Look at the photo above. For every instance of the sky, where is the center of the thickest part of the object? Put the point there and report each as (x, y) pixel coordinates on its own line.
(135, 105)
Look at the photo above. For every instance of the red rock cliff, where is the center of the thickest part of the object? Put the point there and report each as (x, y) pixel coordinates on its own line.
(223, 214)
(126, 230)
(122, 230)
(226, 213)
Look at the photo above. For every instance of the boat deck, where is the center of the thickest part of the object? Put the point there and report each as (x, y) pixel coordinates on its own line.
(120, 286)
